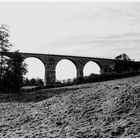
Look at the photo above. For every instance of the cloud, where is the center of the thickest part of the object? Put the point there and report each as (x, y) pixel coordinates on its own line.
(99, 46)
(104, 11)
(94, 39)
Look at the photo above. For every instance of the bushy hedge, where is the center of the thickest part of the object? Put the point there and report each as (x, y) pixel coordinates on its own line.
(95, 78)
(104, 77)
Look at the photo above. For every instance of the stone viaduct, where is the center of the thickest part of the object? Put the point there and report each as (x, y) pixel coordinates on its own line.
(50, 61)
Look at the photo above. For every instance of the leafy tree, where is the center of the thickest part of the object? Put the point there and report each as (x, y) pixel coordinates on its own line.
(40, 82)
(13, 77)
(123, 56)
(122, 66)
(33, 82)
(4, 47)
(26, 82)
(12, 69)
(17, 69)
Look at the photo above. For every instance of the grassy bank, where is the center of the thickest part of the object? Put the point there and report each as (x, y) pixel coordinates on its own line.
(103, 109)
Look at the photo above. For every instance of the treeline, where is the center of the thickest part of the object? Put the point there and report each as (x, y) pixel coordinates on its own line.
(96, 78)
(104, 77)
(33, 82)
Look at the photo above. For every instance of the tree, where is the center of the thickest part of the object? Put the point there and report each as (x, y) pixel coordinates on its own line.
(13, 77)
(12, 69)
(122, 66)
(26, 82)
(18, 69)
(33, 82)
(4, 47)
(123, 56)
(39, 82)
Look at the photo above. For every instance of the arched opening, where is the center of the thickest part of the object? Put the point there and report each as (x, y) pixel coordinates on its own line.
(91, 67)
(36, 71)
(65, 71)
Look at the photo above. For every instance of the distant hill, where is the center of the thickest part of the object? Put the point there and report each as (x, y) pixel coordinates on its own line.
(104, 109)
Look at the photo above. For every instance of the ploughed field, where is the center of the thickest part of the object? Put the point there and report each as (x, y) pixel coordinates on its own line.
(104, 109)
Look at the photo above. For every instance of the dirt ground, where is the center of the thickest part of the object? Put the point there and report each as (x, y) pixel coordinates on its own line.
(105, 109)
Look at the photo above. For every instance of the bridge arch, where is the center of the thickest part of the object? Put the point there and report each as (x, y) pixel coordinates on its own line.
(91, 67)
(35, 67)
(36, 57)
(65, 69)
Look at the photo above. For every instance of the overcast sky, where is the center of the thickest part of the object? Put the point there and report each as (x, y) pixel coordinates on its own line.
(86, 29)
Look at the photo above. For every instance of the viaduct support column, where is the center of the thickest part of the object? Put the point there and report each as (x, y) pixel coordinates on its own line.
(50, 76)
(80, 71)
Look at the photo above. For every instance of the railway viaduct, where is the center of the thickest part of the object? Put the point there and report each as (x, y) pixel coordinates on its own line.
(50, 61)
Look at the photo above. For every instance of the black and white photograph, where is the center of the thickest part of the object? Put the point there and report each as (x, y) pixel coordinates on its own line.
(69, 69)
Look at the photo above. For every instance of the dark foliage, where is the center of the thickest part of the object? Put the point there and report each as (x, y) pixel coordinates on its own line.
(123, 56)
(13, 78)
(104, 77)
(126, 65)
(33, 82)
(12, 67)
(4, 47)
